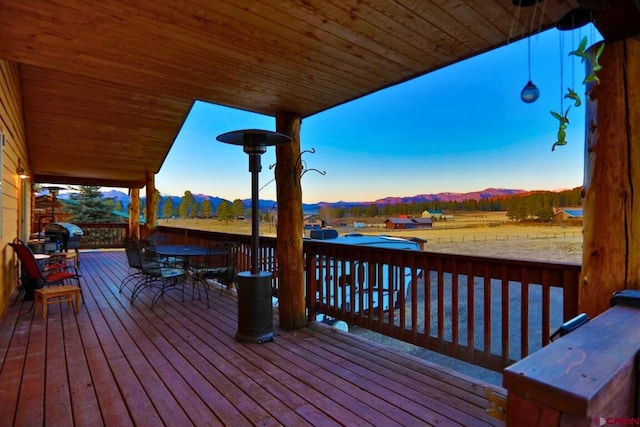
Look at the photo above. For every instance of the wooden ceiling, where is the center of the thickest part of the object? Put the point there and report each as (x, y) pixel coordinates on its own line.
(107, 84)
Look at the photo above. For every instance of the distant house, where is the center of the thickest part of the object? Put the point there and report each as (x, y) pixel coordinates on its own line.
(407, 223)
(568, 216)
(312, 222)
(433, 214)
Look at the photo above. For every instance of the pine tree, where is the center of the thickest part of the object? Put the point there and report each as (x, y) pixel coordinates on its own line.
(224, 211)
(237, 209)
(188, 207)
(90, 206)
(206, 210)
(168, 208)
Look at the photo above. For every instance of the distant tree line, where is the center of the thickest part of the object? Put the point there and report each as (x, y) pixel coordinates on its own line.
(536, 206)
(190, 208)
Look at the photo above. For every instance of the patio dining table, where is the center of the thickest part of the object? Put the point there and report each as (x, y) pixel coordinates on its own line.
(181, 250)
(185, 252)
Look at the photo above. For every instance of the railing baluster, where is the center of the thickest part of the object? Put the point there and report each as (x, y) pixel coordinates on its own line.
(487, 315)
(524, 312)
(505, 313)
(440, 306)
(455, 325)
(546, 307)
(427, 304)
(471, 304)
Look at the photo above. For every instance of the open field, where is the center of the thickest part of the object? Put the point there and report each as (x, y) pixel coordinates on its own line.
(531, 242)
(478, 233)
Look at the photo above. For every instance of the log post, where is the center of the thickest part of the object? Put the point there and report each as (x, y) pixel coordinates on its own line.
(151, 208)
(611, 248)
(290, 275)
(134, 213)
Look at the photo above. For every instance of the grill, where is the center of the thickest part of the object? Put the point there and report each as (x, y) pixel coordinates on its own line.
(67, 234)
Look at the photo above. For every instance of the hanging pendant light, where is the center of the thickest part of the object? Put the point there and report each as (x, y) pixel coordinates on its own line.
(530, 93)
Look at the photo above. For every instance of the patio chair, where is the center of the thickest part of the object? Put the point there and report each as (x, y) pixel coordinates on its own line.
(56, 271)
(154, 274)
(216, 267)
(136, 261)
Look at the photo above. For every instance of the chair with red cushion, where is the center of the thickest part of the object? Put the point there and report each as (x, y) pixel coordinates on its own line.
(34, 276)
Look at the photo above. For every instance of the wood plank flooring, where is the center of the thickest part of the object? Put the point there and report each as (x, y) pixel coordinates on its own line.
(118, 363)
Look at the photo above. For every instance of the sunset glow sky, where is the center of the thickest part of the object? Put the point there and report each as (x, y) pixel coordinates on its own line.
(459, 129)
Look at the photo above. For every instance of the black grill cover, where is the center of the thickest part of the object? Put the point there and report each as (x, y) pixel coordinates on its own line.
(67, 234)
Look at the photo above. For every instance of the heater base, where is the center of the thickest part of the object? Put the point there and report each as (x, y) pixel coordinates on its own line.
(255, 308)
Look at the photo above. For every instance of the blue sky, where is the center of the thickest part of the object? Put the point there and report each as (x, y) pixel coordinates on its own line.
(462, 128)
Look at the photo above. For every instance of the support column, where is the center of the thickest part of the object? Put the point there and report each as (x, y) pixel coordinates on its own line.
(611, 249)
(134, 213)
(151, 208)
(291, 302)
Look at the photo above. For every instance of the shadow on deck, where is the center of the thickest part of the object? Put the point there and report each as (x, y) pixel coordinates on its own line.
(119, 364)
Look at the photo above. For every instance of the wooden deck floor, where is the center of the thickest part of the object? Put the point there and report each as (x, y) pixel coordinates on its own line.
(121, 364)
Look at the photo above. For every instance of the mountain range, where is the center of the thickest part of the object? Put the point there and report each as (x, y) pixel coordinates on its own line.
(265, 205)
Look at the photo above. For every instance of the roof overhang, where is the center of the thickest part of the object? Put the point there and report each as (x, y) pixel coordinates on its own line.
(107, 86)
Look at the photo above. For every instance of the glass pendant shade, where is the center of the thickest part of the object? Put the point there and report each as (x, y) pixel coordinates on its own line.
(529, 93)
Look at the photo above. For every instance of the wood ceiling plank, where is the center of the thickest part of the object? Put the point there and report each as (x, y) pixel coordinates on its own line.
(209, 52)
(401, 27)
(65, 159)
(114, 71)
(323, 35)
(467, 18)
(443, 18)
(344, 21)
(195, 64)
(239, 31)
(43, 95)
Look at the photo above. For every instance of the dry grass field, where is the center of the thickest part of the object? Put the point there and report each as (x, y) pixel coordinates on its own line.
(477, 233)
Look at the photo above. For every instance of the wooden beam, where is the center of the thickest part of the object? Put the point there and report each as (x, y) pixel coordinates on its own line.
(134, 213)
(152, 207)
(291, 302)
(616, 20)
(611, 249)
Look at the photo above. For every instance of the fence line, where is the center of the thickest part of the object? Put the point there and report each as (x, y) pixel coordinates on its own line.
(503, 237)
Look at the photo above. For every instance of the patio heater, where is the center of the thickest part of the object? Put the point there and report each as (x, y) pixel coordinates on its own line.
(255, 309)
(53, 192)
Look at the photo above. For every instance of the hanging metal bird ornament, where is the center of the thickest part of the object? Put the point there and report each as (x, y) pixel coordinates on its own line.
(593, 58)
(595, 66)
(571, 94)
(562, 129)
(581, 51)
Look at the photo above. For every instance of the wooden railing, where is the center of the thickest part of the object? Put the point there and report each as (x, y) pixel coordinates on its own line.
(486, 311)
(109, 235)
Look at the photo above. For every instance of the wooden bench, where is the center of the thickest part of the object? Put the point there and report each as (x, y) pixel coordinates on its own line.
(57, 294)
